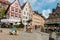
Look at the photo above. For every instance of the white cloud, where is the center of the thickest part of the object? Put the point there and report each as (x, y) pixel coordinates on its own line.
(46, 13)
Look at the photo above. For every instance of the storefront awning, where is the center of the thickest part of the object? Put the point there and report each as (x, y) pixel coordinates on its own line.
(10, 20)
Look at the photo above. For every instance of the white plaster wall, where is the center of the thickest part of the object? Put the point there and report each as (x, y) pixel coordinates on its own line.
(27, 12)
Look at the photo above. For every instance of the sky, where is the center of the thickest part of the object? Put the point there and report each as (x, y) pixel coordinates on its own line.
(44, 7)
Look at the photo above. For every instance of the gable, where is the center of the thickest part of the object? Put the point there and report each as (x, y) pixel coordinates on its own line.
(16, 4)
(27, 7)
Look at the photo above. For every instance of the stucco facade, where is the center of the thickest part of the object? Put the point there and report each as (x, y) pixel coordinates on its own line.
(14, 11)
(26, 13)
(37, 21)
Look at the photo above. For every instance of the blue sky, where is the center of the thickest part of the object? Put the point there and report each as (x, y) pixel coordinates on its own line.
(42, 6)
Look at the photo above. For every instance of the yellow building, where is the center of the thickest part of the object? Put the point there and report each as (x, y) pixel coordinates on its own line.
(37, 21)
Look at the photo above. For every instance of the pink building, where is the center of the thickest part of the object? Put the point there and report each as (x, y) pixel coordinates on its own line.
(14, 12)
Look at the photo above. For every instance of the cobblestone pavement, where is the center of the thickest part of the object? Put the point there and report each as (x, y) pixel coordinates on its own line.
(22, 36)
(55, 36)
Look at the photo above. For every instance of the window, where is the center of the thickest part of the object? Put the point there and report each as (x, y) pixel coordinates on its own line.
(24, 13)
(12, 15)
(16, 10)
(19, 11)
(24, 17)
(23, 20)
(16, 15)
(12, 8)
(16, 4)
(26, 9)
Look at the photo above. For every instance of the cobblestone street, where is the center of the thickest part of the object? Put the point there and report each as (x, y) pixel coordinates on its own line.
(22, 36)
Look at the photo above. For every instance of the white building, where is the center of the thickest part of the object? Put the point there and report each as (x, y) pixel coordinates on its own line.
(26, 13)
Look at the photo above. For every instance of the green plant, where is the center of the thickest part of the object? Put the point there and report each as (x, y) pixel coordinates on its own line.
(21, 25)
(2, 13)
